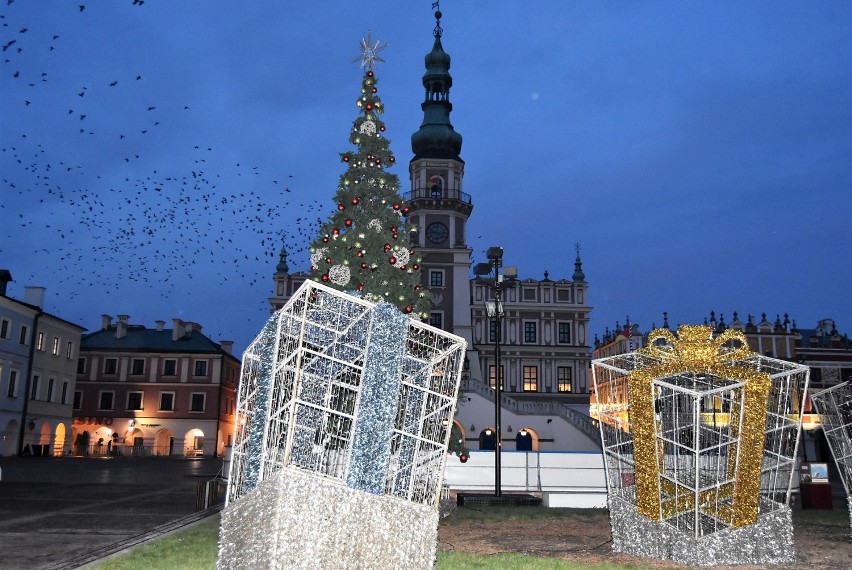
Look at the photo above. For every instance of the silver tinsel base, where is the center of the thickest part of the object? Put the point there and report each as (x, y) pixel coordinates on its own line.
(294, 520)
(768, 541)
(849, 501)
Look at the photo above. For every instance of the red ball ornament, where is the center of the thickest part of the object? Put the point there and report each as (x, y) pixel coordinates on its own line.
(378, 161)
(392, 260)
(393, 159)
(408, 309)
(325, 239)
(348, 223)
(405, 211)
(395, 236)
(375, 90)
(345, 159)
(325, 276)
(370, 73)
(393, 229)
(387, 246)
(396, 206)
(369, 107)
(328, 260)
(418, 287)
(360, 286)
(369, 157)
(335, 231)
(403, 268)
(354, 201)
(463, 458)
(363, 265)
(382, 128)
(360, 254)
(415, 267)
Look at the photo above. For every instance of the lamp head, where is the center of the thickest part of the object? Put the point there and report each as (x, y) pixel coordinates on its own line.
(495, 252)
(481, 269)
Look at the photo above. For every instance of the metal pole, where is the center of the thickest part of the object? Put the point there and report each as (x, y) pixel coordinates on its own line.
(499, 378)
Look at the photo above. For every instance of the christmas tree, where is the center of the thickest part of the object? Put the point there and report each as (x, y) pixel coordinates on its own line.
(364, 247)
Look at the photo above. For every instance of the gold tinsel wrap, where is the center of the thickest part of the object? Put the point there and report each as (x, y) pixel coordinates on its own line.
(694, 350)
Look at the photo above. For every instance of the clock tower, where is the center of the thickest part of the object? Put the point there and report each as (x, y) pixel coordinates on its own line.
(439, 206)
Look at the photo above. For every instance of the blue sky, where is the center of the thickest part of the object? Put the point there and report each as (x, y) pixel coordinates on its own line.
(700, 153)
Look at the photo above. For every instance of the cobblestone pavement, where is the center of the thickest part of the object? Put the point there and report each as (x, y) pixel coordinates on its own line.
(55, 511)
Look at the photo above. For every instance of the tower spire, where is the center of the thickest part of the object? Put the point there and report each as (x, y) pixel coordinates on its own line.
(578, 267)
(436, 137)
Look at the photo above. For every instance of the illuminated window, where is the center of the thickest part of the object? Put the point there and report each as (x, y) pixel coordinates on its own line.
(69, 350)
(56, 346)
(40, 343)
(530, 378)
(492, 380)
(563, 379)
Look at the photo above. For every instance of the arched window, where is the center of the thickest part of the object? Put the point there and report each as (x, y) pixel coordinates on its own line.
(526, 440)
(488, 439)
(436, 186)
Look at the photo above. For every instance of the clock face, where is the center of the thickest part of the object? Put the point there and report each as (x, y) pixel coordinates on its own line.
(437, 232)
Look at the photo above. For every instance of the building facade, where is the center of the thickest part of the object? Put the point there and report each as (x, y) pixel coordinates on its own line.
(157, 391)
(38, 355)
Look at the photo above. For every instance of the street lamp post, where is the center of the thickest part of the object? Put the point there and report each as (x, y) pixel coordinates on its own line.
(495, 311)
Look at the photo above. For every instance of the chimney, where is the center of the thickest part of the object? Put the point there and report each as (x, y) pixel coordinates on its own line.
(106, 322)
(34, 296)
(5, 277)
(192, 327)
(121, 326)
(227, 346)
(160, 325)
(178, 330)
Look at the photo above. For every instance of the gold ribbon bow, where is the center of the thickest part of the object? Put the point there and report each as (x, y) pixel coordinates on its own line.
(694, 350)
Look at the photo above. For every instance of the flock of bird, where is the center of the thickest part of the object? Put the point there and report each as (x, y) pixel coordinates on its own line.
(114, 210)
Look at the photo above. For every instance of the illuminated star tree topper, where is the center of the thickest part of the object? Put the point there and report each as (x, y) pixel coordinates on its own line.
(369, 55)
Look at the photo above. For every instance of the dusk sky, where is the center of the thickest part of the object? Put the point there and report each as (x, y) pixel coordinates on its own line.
(154, 157)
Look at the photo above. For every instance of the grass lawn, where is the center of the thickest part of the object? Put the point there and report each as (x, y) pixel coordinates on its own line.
(196, 547)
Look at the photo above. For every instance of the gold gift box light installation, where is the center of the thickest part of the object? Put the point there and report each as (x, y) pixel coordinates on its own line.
(709, 437)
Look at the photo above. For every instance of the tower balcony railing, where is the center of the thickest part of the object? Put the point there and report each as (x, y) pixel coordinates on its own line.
(437, 194)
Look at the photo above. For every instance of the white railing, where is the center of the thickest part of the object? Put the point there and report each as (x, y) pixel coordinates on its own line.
(529, 471)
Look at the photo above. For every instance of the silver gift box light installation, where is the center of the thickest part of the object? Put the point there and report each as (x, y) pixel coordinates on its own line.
(700, 440)
(338, 393)
(834, 406)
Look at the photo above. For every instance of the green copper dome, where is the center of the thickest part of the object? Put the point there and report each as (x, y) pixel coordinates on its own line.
(436, 137)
